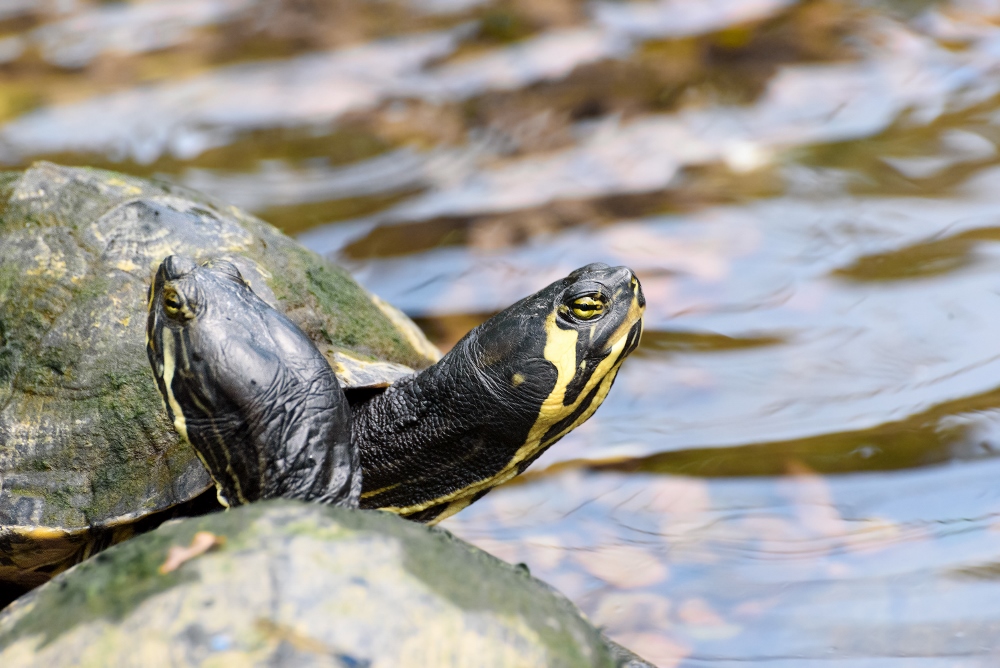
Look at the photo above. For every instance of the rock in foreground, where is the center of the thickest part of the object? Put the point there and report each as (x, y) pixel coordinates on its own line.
(284, 583)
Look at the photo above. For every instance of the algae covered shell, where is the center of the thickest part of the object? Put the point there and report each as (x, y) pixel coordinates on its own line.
(86, 453)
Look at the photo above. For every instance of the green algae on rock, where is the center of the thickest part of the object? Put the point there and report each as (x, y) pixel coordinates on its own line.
(301, 584)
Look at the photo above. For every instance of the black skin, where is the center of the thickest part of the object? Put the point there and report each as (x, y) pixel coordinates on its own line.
(463, 419)
(255, 383)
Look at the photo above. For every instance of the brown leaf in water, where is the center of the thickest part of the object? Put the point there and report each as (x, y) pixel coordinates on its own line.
(202, 542)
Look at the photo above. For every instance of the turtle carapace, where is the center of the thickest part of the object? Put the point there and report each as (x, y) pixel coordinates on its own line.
(269, 419)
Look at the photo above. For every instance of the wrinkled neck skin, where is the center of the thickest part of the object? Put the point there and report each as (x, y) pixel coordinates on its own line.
(297, 447)
(433, 443)
(442, 431)
(268, 417)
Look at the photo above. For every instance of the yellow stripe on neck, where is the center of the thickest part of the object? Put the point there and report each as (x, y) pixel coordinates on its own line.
(553, 410)
(169, 366)
(180, 424)
(561, 350)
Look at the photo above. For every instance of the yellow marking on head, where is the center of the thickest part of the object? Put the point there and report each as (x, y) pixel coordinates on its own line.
(605, 382)
(634, 315)
(180, 424)
(560, 349)
(222, 446)
(553, 410)
(516, 379)
(149, 307)
(169, 366)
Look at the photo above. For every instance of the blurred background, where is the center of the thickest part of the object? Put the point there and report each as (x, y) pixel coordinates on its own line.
(799, 465)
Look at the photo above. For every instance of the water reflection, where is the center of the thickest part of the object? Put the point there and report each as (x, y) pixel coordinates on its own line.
(798, 466)
(865, 570)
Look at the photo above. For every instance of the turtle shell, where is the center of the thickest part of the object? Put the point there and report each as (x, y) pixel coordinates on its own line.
(86, 452)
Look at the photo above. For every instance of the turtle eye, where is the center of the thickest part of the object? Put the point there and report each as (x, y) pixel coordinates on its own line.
(588, 307)
(172, 303)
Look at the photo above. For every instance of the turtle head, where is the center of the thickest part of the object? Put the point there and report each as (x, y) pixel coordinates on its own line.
(584, 325)
(246, 388)
(563, 346)
(180, 287)
(506, 392)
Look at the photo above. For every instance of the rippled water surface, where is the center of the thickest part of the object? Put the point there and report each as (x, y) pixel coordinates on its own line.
(799, 465)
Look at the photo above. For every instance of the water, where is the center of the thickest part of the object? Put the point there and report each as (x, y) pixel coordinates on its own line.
(798, 467)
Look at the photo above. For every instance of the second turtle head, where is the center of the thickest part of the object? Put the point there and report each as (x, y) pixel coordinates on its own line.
(250, 392)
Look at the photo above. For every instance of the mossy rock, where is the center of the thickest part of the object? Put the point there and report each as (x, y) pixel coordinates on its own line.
(296, 584)
(87, 455)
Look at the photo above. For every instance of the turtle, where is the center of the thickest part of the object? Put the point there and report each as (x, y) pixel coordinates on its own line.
(265, 412)
(94, 448)
(294, 583)
(87, 454)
